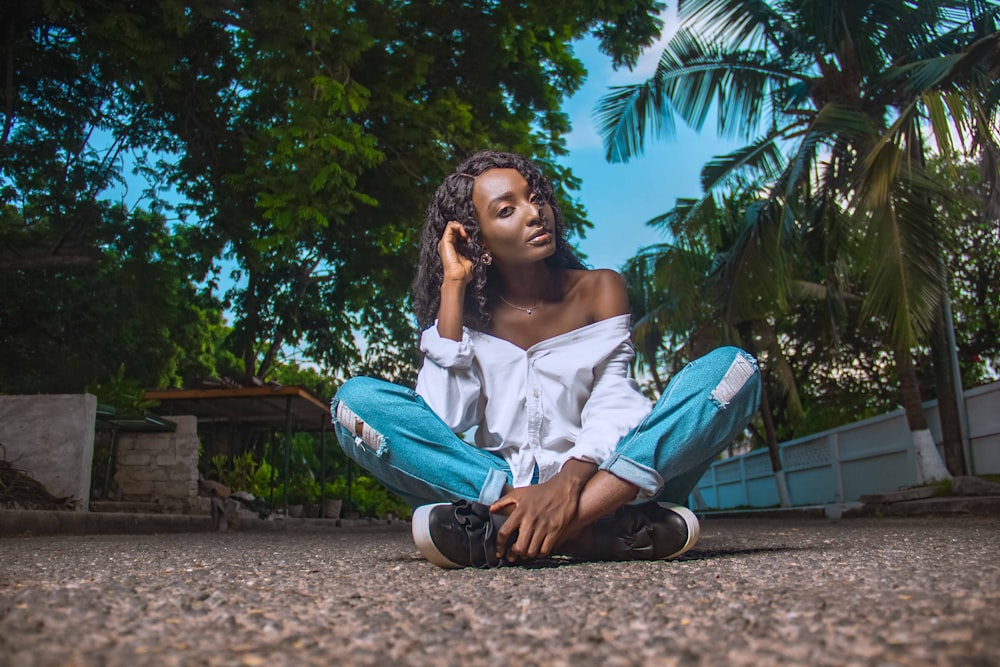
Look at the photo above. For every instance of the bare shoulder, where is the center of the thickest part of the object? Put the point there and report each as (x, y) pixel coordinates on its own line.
(602, 291)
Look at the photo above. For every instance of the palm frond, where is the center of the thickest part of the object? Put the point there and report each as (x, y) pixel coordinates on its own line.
(917, 77)
(750, 275)
(957, 25)
(763, 156)
(623, 115)
(695, 75)
(667, 291)
(739, 22)
(683, 208)
(689, 79)
(945, 116)
(903, 259)
(837, 119)
(881, 167)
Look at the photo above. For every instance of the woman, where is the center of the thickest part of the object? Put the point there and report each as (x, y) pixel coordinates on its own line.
(525, 345)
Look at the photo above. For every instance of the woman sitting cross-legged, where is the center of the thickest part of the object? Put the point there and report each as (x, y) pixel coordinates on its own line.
(525, 345)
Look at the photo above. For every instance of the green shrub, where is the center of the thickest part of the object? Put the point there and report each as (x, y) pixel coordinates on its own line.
(302, 490)
(372, 499)
(260, 484)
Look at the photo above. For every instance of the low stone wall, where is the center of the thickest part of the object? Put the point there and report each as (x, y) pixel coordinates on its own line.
(160, 467)
(51, 437)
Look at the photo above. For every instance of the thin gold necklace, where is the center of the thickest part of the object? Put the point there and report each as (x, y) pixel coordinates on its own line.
(527, 310)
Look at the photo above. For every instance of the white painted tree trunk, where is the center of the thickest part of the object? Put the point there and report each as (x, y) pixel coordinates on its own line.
(930, 466)
(783, 497)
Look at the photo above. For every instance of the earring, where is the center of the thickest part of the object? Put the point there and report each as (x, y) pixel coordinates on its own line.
(486, 258)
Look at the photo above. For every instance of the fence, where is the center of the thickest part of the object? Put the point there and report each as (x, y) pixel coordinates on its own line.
(840, 465)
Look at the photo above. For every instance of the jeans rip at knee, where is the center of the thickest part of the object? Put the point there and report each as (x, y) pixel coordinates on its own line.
(362, 432)
(741, 371)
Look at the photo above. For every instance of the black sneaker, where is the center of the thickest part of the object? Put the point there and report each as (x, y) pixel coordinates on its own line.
(459, 534)
(651, 531)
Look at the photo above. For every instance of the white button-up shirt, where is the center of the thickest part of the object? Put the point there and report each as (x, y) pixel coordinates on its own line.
(569, 396)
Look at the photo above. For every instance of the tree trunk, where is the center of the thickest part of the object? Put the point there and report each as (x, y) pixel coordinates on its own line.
(930, 467)
(947, 392)
(746, 336)
(772, 449)
(656, 377)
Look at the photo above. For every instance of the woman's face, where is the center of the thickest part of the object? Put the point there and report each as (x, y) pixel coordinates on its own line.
(515, 225)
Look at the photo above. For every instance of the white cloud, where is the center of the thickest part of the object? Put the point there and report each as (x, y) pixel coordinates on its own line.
(650, 56)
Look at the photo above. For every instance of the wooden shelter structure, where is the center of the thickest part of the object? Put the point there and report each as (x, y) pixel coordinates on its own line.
(288, 408)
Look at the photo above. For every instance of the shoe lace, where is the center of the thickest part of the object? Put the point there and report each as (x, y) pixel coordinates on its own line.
(634, 537)
(474, 518)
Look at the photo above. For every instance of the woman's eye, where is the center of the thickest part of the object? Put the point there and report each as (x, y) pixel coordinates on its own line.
(506, 211)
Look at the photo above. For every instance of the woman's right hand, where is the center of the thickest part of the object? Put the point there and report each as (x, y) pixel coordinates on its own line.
(457, 267)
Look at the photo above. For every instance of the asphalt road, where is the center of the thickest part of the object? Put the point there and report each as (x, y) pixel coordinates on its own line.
(753, 592)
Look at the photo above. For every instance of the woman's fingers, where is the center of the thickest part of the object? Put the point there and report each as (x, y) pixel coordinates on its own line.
(458, 228)
(504, 533)
(455, 264)
(539, 541)
(453, 232)
(534, 547)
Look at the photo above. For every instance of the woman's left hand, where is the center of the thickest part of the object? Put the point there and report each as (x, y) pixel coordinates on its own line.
(540, 515)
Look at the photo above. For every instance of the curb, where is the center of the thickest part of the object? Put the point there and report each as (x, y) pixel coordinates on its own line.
(35, 523)
(964, 505)
(31, 523)
(832, 511)
(941, 506)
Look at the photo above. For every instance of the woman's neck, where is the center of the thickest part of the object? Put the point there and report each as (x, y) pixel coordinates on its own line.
(527, 284)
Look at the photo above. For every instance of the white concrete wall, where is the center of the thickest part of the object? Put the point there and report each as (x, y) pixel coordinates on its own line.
(161, 467)
(840, 465)
(51, 436)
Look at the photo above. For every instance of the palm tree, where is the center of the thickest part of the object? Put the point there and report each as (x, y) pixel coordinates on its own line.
(848, 95)
(715, 284)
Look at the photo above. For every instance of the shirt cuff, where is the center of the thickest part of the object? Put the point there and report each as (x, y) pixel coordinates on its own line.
(590, 452)
(445, 352)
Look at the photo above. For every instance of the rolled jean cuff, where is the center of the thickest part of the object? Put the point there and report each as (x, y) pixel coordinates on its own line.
(648, 480)
(493, 487)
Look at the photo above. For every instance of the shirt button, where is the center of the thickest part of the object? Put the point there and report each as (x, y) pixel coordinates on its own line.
(535, 393)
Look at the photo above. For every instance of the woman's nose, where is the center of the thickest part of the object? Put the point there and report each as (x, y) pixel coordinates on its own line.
(536, 206)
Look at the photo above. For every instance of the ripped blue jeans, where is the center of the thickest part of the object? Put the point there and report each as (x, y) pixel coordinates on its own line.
(391, 432)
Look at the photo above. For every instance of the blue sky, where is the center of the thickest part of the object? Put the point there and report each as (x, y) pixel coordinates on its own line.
(620, 198)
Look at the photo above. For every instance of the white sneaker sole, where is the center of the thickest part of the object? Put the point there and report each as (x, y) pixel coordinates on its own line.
(693, 526)
(420, 527)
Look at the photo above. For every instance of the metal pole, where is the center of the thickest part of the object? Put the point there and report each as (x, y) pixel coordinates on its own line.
(322, 465)
(274, 467)
(956, 375)
(288, 450)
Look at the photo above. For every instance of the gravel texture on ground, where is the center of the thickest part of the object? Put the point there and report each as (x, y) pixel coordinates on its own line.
(753, 592)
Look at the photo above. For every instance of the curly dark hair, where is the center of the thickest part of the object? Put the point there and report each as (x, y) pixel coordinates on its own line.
(453, 201)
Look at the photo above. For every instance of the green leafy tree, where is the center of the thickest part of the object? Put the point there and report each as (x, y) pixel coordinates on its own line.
(300, 142)
(974, 268)
(133, 307)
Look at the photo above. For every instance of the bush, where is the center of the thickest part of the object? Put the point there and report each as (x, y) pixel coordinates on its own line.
(260, 485)
(372, 499)
(237, 473)
(301, 491)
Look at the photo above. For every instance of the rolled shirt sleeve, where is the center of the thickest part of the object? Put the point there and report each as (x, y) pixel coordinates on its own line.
(615, 407)
(448, 380)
